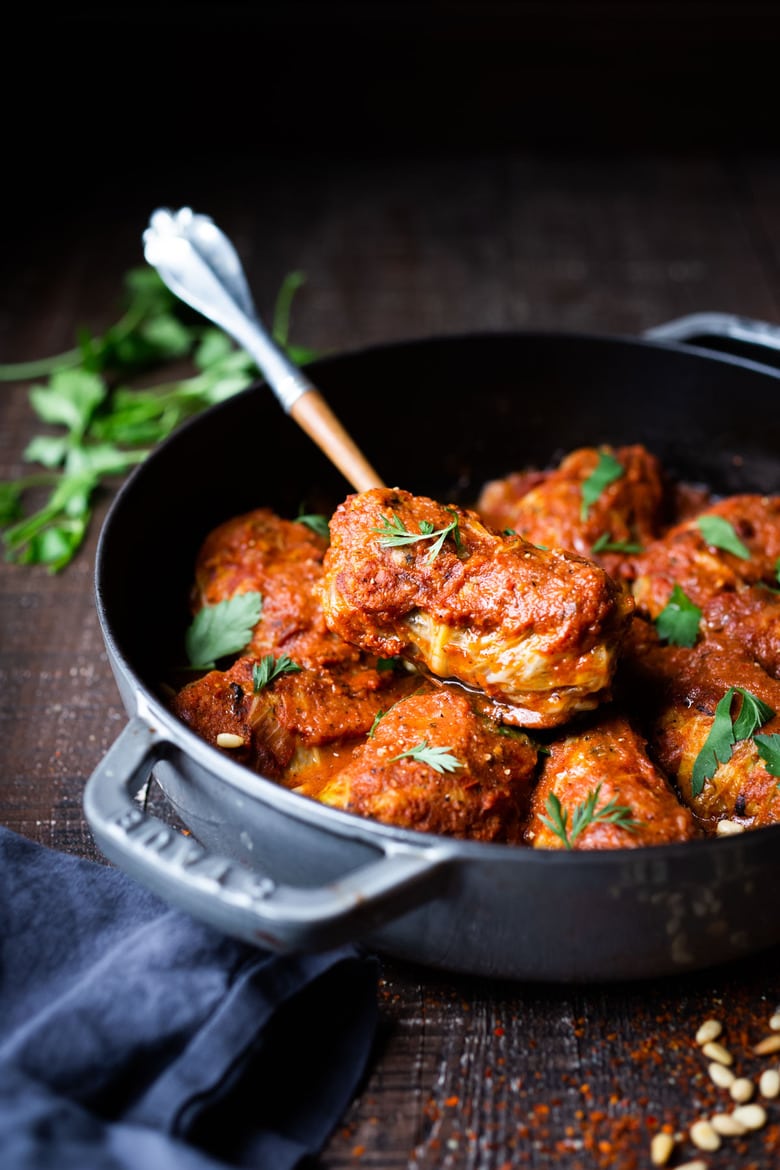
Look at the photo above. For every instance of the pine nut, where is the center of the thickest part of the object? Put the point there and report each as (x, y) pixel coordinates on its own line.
(717, 1052)
(227, 739)
(709, 1030)
(769, 1083)
(751, 1116)
(697, 1164)
(729, 828)
(727, 1125)
(741, 1090)
(704, 1136)
(721, 1076)
(774, 1022)
(767, 1045)
(661, 1148)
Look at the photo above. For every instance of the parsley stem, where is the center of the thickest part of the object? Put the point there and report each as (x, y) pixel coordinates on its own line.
(281, 316)
(24, 371)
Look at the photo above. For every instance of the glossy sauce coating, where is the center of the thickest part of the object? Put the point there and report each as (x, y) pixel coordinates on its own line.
(630, 510)
(485, 795)
(610, 755)
(538, 631)
(544, 638)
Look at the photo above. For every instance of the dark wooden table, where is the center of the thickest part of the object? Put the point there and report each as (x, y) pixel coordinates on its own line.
(468, 1073)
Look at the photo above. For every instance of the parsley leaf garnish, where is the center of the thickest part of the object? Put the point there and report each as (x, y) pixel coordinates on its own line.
(379, 715)
(438, 758)
(222, 629)
(394, 534)
(607, 470)
(724, 733)
(389, 663)
(269, 668)
(316, 522)
(678, 622)
(721, 534)
(605, 543)
(769, 750)
(586, 813)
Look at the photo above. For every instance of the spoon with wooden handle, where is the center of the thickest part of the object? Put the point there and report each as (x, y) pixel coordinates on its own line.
(200, 265)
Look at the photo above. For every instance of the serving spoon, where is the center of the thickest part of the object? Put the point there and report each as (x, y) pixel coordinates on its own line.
(200, 265)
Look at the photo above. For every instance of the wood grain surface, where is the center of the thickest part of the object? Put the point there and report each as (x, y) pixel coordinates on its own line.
(398, 244)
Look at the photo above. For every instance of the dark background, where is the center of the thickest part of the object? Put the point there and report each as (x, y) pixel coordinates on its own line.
(97, 97)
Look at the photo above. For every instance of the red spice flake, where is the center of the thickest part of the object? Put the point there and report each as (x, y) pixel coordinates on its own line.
(452, 1101)
(499, 1031)
(358, 1151)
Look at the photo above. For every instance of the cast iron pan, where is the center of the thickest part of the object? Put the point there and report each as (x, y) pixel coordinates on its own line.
(438, 417)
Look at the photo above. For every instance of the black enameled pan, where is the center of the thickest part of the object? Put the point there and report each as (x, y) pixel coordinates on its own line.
(438, 417)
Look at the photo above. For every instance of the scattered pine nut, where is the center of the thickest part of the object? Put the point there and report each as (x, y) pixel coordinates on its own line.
(751, 1116)
(704, 1136)
(727, 1125)
(697, 1164)
(227, 739)
(716, 1051)
(741, 1090)
(721, 1076)
(769, 1083)
(661, 1148)
(729, 828)
(774, 1022)
(709, 1030)
(767, 1045)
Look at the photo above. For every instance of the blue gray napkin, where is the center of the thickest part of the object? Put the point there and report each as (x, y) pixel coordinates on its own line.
(133, 1037)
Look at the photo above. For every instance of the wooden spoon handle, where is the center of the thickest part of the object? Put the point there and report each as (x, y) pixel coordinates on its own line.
(315, 417)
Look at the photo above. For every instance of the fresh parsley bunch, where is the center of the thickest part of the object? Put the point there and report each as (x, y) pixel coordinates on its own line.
(101, 425)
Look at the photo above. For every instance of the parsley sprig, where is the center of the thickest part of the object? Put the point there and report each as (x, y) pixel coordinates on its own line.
(678, 622)
(605, 543)
(769, 750)
(606, 471)
(585, 814)
(720, 533)
(393, 534)
(438, 758)
(268, 668)
(222, 629)
(103, 426)
(726, 732)
(316, 522)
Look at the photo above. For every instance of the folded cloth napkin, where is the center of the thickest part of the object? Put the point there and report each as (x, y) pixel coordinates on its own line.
(133, 1037)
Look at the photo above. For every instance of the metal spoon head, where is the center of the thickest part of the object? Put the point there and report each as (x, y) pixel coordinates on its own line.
(198, 263)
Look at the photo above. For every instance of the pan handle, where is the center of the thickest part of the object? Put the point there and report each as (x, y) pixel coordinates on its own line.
(728, 326)
(228, 895)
